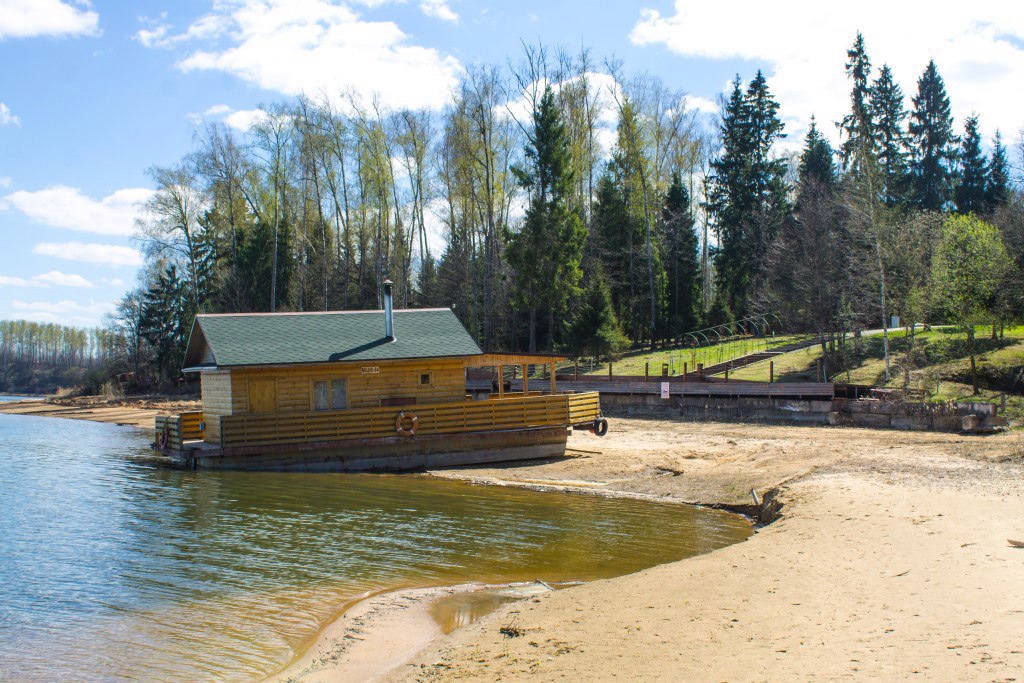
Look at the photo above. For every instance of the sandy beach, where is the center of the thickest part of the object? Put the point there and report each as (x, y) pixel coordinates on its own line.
(135, 412)
(890, 561)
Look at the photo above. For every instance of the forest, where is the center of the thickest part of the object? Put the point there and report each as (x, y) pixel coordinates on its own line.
(562, 203)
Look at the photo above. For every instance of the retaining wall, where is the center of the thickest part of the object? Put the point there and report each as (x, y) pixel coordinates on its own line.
(846, 412)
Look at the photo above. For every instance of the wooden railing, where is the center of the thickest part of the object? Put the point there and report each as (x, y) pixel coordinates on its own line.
(173, 430)
(442, 418)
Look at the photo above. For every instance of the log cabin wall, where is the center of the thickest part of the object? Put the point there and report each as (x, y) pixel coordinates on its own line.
(364, 388)
(217, 401)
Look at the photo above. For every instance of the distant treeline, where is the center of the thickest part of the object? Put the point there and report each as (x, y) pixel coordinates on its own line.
(41, 357)
(582, 208)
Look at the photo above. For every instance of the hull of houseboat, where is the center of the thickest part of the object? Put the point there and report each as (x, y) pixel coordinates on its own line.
(379, 454)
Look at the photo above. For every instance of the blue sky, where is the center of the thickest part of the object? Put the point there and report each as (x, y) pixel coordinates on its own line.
(93, 94)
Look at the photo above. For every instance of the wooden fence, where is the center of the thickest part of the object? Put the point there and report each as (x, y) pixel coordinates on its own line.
(442, 418)
(173, 430)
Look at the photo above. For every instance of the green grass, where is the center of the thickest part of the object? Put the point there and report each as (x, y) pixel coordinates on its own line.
(633, 363)
(935, 363)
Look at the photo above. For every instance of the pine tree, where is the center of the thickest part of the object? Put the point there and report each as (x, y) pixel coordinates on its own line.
(890, 134)
(684, 285)
(932, 151)
(816, 160)
(969, 194)
(547, 252)
(997, 187)
(858, 126)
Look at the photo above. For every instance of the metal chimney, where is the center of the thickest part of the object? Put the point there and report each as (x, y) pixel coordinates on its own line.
(389, 312)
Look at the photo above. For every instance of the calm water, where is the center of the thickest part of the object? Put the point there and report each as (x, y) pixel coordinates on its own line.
(111, 568)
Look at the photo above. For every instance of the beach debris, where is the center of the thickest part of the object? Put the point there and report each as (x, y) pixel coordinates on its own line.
(510, 630)
(544, 584)
(753, 494)
(1015, 544)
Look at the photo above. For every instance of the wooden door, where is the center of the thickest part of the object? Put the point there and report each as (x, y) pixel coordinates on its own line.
(262, 395)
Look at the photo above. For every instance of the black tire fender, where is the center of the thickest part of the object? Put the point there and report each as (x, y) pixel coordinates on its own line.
(601, 426)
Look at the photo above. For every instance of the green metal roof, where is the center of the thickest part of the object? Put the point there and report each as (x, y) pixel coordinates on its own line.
(284, 338)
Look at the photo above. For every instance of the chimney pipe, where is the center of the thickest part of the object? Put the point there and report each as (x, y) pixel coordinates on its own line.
(389, 313)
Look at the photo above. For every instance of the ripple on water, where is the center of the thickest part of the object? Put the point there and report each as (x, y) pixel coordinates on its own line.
(114, 568)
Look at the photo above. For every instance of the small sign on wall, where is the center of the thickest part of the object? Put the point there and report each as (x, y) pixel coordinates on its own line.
(664, 389)
(370, 370)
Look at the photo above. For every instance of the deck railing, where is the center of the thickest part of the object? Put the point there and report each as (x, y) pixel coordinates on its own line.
(441, 418)
(173, 430)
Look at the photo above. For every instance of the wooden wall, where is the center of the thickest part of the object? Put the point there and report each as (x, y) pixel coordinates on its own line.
(395, 379)
(217, 401)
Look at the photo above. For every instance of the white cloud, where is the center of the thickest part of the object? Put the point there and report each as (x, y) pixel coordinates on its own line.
(30, 18)
(59, 279)
(976, 45)
(68, 207)
(65, 311)
(100, 254)
(7, 117)
(54, 278)
(6, 181)
(318, 46)
(217, 110)
(439, 9)
(701, 104)
(245, 119)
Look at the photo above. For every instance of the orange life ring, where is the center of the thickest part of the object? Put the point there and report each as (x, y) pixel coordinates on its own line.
(400, 423)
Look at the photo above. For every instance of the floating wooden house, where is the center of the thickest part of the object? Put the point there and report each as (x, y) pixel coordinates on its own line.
(362, 390)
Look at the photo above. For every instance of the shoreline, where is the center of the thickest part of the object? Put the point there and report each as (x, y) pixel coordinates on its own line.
(891, 561)
(379, 632)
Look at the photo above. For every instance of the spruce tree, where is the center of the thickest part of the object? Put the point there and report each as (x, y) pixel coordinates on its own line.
(746, 191)
(969, 194)
(683, 268)
(858, 126)
(547, 252)
(890, 134)
(932, 150)
(816, 160)
(997, 186)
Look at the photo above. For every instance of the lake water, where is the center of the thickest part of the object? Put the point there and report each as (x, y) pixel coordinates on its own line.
(113, 568)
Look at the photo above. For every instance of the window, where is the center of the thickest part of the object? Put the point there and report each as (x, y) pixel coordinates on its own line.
(339, 397)
(321, 396)
(330, 395)
(425, 379)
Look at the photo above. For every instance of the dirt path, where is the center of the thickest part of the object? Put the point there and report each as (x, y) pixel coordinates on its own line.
(891, 561)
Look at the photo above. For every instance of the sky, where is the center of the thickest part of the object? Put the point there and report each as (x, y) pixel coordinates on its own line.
(93, 94)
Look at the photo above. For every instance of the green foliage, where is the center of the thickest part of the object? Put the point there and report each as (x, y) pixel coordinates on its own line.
(547, 252)
(593, 329)
(683, 286)
(931, 132)
(967, 268)
(969, 194)
(747, 192)
(997, 185)
(858, 126)
(816, 159)
(891, 141)
(166, 320)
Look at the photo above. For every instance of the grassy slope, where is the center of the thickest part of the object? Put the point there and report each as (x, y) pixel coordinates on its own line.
(633, 363)
(939, 365)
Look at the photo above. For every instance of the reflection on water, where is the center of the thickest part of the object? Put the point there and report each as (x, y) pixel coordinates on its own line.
(115, 568)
